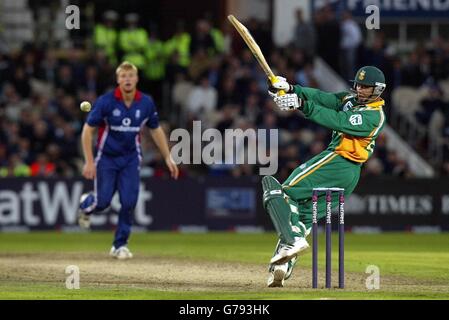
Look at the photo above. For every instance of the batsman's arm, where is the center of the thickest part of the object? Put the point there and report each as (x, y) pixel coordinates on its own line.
(89, 170)
(325, 99)
(160, 140)
(355, 123)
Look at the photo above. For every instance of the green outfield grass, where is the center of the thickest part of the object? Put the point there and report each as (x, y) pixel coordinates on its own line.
(412, 266)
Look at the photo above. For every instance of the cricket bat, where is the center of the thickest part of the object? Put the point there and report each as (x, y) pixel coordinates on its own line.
(254, 47)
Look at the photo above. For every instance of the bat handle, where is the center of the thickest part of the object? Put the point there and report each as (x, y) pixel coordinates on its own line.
(273, 80)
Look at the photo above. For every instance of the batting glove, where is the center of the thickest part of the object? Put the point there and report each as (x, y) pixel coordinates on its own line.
(288, 101)
(279, 84)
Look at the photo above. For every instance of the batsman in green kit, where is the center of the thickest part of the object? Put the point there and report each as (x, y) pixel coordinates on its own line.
(356, 119)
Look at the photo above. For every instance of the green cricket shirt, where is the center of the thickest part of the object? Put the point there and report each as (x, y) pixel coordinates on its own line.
(355, 126)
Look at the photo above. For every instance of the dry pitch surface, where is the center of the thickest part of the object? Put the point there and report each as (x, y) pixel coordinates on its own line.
(189, 272)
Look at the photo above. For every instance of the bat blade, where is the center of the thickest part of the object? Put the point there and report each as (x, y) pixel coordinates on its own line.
(255, 49)
(252, 45)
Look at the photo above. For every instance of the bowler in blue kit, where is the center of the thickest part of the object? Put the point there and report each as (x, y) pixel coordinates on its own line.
(119, 116)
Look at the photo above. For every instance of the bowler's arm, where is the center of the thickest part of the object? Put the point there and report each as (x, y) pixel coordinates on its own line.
(160, 140)
(89, 170)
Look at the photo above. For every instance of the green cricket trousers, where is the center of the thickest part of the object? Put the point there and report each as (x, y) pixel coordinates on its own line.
(325, 170)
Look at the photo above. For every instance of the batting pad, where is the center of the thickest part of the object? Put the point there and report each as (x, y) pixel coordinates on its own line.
(278, 209)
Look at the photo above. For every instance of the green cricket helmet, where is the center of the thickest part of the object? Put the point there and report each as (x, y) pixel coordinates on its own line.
(372, 77)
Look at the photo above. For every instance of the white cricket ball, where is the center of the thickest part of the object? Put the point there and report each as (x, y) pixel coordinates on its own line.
(85, 106)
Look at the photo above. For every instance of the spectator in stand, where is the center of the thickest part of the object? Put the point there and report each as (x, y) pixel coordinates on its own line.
(21, 82)
(261, 32)
(425, 64)
(351, 38)
(181, 89)
(445, 110)
(445, 165)
(91, 82)
(30, 66)
(42, 167)
(305, 77)
(396, 79)
(304, 35)
(133, 41)
(65, 81)
(200, 64)
(374, 167)
(227, 94)
(24, 151)
(328, 36)
(15, 168)
(48, 69)
(251, 109)
(433, 101)
(202, 100)
(179, 43)
(13, 103)
(5, 68)
(63, 165)
(202, 38)
(106, 36)
(74, 59)
(298, 59)
(227, 117)
(288, 159)
(401, 168)
(411, 72)
(3, 155)
(41, 137)
(375, 54)
(174, 68)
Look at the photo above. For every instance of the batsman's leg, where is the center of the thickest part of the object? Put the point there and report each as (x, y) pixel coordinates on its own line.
(279, 210)
(278, 273)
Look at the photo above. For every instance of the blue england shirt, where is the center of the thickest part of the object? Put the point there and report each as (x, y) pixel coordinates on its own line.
(120, 126)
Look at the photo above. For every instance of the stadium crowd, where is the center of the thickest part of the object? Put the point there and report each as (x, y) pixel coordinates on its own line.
(207, 74)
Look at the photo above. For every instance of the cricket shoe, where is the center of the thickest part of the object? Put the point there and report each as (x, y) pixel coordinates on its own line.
(277, 275)
(122, 253)
(83, 218)
(289, 251)
(291, 265)
(280, 273)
